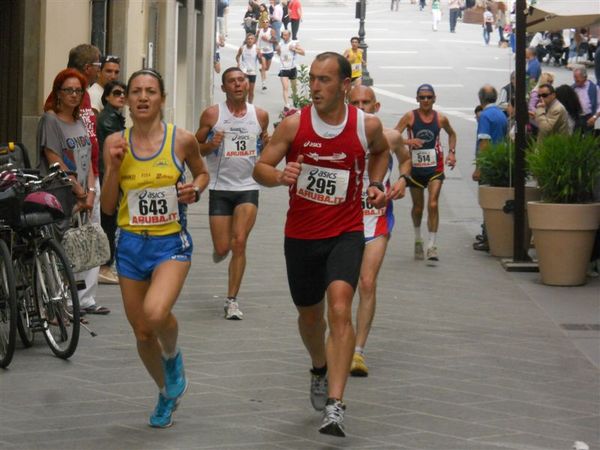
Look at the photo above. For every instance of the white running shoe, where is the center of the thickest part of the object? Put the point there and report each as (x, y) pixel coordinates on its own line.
(333, 419)
(232, 310)
(432, 256)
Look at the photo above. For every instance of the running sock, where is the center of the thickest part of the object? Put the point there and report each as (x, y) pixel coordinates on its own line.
(432, 237)
(359, 350)
(418, 234)
(170, 355)
(231, 299)
(319, 371)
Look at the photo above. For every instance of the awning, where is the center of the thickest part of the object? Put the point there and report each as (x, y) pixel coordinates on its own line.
(557, 15)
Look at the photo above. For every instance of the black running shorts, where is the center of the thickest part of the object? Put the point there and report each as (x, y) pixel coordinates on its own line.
(313, 264)
(420, 181)
(222, 203)
(292, 73)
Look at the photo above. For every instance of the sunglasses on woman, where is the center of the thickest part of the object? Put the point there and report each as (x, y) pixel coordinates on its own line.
(118, 93)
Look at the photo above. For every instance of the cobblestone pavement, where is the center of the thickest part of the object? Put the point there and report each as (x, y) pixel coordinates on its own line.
(462, 356)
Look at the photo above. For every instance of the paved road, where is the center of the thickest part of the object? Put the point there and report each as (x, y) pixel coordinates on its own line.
(462, 356)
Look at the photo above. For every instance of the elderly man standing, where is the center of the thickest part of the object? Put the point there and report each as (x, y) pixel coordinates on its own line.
(589, 98)
(550, 115)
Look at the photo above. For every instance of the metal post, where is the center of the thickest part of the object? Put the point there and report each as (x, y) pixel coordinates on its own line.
(519, 250)
(366, 78)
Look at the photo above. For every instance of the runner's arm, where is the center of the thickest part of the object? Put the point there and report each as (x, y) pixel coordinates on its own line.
(263, 120)
(404, 163)
(238, 56)
(208, 119)
(403, 124)
(115, 147)
(378, 158)
(265, 170)
(451, 158)
(186, 192)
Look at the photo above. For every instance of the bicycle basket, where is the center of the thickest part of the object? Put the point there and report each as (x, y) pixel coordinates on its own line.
(63, 191)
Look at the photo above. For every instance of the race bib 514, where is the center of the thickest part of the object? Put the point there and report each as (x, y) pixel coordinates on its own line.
(422, 158)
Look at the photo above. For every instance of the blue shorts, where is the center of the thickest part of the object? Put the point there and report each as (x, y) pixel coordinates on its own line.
(137, 255)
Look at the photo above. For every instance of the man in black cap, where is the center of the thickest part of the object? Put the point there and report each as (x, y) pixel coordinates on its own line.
(424, 126)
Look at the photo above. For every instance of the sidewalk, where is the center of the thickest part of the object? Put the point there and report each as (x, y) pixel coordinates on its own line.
(463, 356)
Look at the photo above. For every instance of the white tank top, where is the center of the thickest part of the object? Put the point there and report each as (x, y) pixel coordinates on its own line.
(249, 60)
(231, 165)
(287, 55)
(265, 46)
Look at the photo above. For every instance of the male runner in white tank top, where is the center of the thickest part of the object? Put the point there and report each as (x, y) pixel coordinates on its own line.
(231, 135)
(249, 59)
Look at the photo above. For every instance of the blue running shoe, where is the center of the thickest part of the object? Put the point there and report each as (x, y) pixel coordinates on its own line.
(162, 416)
(175, 381)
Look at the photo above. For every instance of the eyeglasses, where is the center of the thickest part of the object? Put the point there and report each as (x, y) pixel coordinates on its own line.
(71, 91)
(112, 59)
(544, 95)
(118, 93)
(97, 64)
(425, 97)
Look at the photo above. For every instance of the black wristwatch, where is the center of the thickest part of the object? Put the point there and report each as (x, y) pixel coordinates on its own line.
(197, 194)
(403, 175)
(378, 185)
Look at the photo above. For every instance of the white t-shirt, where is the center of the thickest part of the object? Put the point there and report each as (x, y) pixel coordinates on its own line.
(96, 91)
(231, 165)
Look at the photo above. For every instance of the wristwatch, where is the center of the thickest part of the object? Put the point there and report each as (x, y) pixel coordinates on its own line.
(378, 185)
(403, 175)
(452, 150)
(196, 194)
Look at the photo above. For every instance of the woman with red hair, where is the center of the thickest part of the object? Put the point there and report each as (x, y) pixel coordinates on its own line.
(63, 138)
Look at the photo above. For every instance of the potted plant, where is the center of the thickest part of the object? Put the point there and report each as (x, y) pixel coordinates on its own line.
(565, 221)
(496, 194)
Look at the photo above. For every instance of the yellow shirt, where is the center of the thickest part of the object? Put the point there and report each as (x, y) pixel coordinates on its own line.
(148, 189)
(355, 59)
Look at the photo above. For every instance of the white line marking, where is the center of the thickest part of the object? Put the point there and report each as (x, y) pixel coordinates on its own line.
(390, 85)
(487, 69)
(378, 52)
(376, 39)
(339, 29)
(435, 85)
(417, 67)
(404, 98)
(459, 41)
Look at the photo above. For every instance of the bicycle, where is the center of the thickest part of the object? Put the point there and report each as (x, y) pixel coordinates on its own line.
(8, 302)
(46, 292)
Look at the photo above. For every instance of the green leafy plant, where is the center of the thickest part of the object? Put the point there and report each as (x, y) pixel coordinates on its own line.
(301, 97)
(566, 167)
(496, 164)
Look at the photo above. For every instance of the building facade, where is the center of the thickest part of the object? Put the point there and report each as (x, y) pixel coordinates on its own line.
(176, 37)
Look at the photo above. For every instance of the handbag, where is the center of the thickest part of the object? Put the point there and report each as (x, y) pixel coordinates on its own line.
(86, 244)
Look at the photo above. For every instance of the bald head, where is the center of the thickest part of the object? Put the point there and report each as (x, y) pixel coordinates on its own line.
(363, 97)
(487, 94)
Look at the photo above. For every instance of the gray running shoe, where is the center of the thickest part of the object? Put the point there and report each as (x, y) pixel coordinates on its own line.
(432, 256)
(333, 418)
(419, 254)
(318, 391)
(218, 258)
(232, 310)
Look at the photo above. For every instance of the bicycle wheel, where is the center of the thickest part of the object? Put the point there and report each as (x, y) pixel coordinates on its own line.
(57, 299)
(8, 310)
(26, 309)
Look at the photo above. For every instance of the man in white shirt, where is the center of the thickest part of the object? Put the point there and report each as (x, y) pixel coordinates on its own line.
(110, 68)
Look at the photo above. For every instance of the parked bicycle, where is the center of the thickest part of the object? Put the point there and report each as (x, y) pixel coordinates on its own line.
(46, 292)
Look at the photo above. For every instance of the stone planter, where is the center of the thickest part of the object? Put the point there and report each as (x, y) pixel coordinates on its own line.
(500, 225)
(564, 236)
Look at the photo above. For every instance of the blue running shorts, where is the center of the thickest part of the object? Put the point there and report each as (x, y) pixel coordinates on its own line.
(137, 255)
